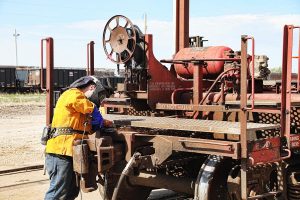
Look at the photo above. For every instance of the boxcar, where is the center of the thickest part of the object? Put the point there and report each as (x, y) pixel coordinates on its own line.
(61, 77)
(7, 78)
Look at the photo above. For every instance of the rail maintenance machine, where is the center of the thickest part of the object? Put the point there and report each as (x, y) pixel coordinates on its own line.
(208, 127)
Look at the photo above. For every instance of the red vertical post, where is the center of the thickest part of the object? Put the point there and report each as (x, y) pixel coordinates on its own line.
(49, 77)
(197, 87)
(182, 25)
(92, 68)
(90, 58)
(286, 81)
(243, 117)
(298, 81)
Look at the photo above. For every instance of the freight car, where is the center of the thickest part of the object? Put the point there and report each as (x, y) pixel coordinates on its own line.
(205, 127)
(27, 78)
(7, 78)
(63, 77)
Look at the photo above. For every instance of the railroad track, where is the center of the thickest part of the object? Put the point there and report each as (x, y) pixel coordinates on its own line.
(31, 178)
(21, 169)
(16, 178)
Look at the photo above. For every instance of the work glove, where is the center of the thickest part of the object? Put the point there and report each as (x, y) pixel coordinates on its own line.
(97, 119)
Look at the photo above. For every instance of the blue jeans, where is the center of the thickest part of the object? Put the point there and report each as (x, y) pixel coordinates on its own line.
(62, 178)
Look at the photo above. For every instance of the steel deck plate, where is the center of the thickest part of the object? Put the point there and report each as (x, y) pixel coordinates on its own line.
(166, 123)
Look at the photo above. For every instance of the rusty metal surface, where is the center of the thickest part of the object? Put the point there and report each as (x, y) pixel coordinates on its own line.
(197, 86)
(243, 117)
(182, 185)
(49, 76)
(295, 141)
(81, 158)
(90, 58)
(191, 107)
(298, 78)
(295, 98)
(264, 151)
(210, 126)
(105, 153)
(182, 24)
(116, 39)
(209, 59)
(165, 145)
(252, 75)
(286, 80)
(162, 82)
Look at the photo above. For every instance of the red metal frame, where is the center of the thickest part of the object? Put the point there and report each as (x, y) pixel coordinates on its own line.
(49, 76)
(162, 82)
(182, 25)
(197, 87)
(90, 59)
(298, 57)
(243, 116)
(252, 74)
(286, 81)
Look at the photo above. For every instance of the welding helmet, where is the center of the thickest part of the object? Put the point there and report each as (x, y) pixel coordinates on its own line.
(99, 92)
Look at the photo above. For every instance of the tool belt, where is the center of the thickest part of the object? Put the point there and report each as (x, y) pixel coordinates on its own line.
(49, 133)
(63, 131)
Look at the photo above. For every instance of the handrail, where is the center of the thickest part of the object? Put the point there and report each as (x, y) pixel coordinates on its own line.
(42, 66)
(298, 57)
(252, 74)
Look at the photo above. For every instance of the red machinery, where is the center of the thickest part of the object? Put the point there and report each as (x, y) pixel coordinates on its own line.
(208, 105)
(206, 127)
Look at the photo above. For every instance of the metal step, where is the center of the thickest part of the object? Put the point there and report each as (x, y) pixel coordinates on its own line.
(211, 126)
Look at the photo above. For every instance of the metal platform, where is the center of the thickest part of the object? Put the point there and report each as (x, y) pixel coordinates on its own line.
(211, 126)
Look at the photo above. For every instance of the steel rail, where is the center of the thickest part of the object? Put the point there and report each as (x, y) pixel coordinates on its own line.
(21, 169)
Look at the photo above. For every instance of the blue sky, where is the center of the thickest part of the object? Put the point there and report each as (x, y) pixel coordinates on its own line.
(73, 23)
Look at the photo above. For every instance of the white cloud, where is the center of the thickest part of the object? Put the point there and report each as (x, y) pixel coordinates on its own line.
(87, 25)
(227, 30)
(71, 39)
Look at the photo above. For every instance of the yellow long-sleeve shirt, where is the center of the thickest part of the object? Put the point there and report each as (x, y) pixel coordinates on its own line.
(72, 110)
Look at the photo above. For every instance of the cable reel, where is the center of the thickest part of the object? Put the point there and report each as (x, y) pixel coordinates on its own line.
(119, 39)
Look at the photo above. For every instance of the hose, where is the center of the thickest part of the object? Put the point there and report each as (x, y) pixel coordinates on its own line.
(124, 173)
(195, 113)
(81, 160)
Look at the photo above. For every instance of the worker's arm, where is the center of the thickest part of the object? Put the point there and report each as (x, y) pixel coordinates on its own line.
(97, 119)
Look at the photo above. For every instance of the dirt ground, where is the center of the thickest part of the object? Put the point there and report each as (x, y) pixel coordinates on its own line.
(20, 130)
(21, 125)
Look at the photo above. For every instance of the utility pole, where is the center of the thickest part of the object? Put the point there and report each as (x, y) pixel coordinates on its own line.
(16, 44)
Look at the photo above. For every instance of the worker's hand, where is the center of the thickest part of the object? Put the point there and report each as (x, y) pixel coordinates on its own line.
(107, 123)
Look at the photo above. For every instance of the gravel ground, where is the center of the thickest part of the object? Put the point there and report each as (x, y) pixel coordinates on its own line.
(20, 129)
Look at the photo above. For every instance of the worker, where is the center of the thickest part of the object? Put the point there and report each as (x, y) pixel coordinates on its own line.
(74, 117)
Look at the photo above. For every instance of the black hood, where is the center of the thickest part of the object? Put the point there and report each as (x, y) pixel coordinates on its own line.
(84, 81)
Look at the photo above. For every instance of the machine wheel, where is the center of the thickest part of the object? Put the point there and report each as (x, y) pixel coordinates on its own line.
(127, 191)
(211, 183)
(119, 42)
